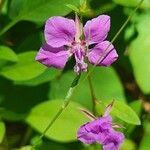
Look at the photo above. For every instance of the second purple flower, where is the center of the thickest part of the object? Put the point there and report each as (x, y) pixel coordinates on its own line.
(66, 37)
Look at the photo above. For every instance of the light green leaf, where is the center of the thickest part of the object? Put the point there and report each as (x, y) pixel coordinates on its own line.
(2, 131)
(137, 107)
(106, 84)
(25, 69)
(48, 75)
(139, 54)
(7, 54)
(72, 7)
(133, 3)
(39, 10)
(65, 127)
(145, 143)
(25, 148)
(125, 113)
(128, 144)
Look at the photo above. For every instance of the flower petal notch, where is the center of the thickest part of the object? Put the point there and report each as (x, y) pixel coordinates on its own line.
(66, 37)
(101, 130)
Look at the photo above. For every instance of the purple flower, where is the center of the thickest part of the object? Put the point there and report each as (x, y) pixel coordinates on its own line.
(94, 131)
(101, 130)
(113, 140)
(65, 38)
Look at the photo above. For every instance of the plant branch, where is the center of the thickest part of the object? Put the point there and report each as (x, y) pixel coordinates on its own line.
(64, 105)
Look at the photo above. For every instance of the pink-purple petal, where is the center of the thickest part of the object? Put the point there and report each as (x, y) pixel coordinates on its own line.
(96, 30)
(113, 140)
(92, 132)
(52, 57)
(59, 31)
(102, 57)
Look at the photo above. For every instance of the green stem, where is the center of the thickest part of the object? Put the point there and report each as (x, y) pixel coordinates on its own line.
(8, 26)
(114, 38)
(64, 105)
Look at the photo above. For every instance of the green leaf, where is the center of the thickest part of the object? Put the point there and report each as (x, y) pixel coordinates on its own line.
(128, 144)
(105, 81)
(137, 107)
(145, 144)
(25, 69)
(72, 7)
(39, 10)
(125, 113)
(48, 75)
(7, 54)
(133, 3)
(25, 148)
(139, 54)
(2, 131)
(67, 124)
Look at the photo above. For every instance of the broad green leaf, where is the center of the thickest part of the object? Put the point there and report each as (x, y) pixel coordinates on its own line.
(145, 143)
(25, 69)
(65, 127)
(137, 107)
(48, 75)
(139, 54)
(133, 3)
(125, 113)
(39, 10)
(2, 131)
(128, 144)
(105, 82)
(7, 54)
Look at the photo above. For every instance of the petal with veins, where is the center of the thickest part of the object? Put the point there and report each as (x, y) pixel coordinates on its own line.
(102, 57)
(96, 30)
(59, 31)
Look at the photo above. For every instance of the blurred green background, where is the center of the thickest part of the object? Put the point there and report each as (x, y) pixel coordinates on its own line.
(31, 94)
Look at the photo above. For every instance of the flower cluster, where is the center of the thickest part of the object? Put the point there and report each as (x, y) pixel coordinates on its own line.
(66, 38)
(101, 130)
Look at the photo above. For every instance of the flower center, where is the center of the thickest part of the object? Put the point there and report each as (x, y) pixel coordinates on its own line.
(79, 51)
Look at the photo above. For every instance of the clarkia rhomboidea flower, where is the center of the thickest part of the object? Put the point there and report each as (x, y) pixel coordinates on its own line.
(66, 37)
(101, 130)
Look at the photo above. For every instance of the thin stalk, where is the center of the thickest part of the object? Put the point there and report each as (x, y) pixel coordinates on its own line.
(64, 105)
(114, 38)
